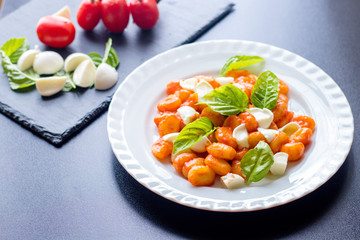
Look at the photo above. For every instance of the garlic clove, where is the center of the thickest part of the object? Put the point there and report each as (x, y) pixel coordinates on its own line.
(189, 83)
(48, 62)
(263, 116)
(84, 74)
(201, 145)
(187, 114)
(26, 60)
(280, 163)
(64, 12)
(171, 137)
(290, 128)
(241, 136)
(269, 134)
(224, 80)
(233, 181)
(106, 77)
(203, 88)
(73, 60)
(48, 86)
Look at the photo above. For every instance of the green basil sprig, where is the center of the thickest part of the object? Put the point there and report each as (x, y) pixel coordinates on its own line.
(96, 58)
(69, 84)
(14, 48)
(257, 162)
(192, 133)
(266, 91)
(226, 100)
(10, 53)
(237, 62)
(110, 56)
(17, 79)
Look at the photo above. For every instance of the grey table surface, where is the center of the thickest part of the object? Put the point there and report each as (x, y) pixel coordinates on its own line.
(80, 191)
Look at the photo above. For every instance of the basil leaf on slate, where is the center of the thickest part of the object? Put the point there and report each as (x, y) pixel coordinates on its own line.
(113, 59)
(17, 79)
(69, 84)
(266, 91)
(15, 46)
(226, 100)
(237, 62)
(14, 57)
(110, 56)
(192, 133)
(257, 162)
(96, 58)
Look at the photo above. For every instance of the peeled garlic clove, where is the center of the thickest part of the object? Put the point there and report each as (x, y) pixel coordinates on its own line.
(241, 136)
(201, 145)
(84, 74)
(269, 134)
(263, 116)
(224, 80)
(73, 60)
(171, 137)
(26, 60)
(48, 62)
(187, 114)
(290, 128)
(64, 12)
(203, 88)
(48, 86)
(106, 77)
(280, 163)
(233, 181)
(189, 83)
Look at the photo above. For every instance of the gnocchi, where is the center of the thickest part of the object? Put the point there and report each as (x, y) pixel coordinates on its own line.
(223, 153)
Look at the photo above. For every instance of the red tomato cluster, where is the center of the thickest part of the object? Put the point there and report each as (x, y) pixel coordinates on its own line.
(58, 31)
(115, 14)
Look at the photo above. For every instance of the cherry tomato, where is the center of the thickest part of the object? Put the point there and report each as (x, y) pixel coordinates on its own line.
(115, 15)
(55, 31)
(89, 14)
(145, 13)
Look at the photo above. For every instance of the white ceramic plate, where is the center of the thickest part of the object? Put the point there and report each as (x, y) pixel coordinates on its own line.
(312, 92)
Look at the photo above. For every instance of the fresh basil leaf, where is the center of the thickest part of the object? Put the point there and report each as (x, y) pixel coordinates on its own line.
(17, 79)
(110, 55)
(107, 49)
(226, 100)
(266, 91)
(14, 57)
(257, 162)
(113, 59)
(69, 85)
(96, 58)
(12, 45)
(31, 73)
(192, 133)
(237, 62)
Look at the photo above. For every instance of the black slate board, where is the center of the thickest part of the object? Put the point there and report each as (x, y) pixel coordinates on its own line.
(57, 119)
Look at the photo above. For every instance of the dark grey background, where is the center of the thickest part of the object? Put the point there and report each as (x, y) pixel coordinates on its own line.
(80, 191)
